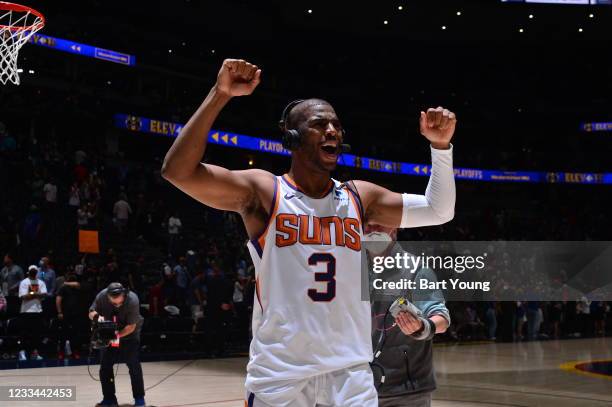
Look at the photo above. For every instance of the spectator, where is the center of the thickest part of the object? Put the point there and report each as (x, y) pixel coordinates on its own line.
(3, 304)
(7, 143)
(583, 314)
(156, 298)
(598, 312)
(10, 277)
(491, 320)
(555, 314)
(197, 295)
(135, 274)
(121, 212)
(174, 230)
(50, 193)
(36, 186)
(92, 214)
(80, 171)
(31, 291)
(239, 304)
(520, 318)
(70, 316)
(79, 157)
(47, 274)
(74, 199)
(83, 217)
(31, 227)
(169, 290)
(182, 278)
(218, 308)
(534, 320)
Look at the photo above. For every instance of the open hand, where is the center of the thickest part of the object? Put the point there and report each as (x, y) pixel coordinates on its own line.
(408, 323)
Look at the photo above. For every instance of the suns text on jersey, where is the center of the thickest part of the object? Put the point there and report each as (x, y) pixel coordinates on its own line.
(292, 228)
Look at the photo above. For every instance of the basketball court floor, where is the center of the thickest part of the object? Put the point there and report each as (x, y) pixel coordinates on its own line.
(528, 374)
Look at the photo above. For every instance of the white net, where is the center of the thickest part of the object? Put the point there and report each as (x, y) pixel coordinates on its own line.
(16, 27)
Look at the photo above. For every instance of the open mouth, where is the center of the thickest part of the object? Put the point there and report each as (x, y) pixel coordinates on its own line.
(330, 149)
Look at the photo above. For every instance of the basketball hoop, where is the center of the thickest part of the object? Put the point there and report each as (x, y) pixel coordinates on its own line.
(17, 24)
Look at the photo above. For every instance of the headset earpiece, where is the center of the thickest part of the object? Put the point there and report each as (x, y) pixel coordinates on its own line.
(116, 289)
(291, 137)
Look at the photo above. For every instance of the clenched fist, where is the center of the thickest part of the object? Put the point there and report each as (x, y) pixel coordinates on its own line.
(237, 77)
(438, 126)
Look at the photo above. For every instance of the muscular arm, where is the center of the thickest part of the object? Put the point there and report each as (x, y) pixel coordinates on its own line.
(212, 185)
(391, 209)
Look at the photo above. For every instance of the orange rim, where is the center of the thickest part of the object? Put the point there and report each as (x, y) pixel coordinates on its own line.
(5, 6)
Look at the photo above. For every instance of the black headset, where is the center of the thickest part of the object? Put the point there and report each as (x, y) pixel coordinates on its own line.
(116, 289)
(292, 137)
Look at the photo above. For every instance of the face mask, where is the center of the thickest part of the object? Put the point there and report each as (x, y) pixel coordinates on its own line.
(377, 237)
(377, 242)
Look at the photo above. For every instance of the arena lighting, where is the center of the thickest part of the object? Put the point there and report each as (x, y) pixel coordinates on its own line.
(591, 16)
(580, 30)
(309, 11)
(521, 30)
(444, 27)
(138, 124)
(530, 16)
(458, 13)
(400, 8)
(385, 22)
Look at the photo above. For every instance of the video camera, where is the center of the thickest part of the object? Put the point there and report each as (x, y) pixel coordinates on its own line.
(103, 332)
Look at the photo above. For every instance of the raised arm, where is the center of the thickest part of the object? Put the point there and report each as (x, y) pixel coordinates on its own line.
(212, 185)
(437, 206)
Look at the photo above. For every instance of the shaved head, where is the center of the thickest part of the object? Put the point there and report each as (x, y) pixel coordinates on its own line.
(300, 112)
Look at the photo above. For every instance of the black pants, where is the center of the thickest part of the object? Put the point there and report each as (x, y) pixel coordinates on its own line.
(70, 328)
(30, 328)
(128, 352)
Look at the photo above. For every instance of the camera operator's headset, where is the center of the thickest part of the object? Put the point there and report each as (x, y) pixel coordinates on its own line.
(116, 289)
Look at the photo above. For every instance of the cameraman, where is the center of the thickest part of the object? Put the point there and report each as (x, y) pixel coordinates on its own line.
(406, 353)
(116, 303)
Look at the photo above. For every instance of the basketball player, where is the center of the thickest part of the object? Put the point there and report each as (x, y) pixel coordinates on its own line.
(311, 332)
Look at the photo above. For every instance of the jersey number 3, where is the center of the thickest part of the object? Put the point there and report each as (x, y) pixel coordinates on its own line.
(328, 277)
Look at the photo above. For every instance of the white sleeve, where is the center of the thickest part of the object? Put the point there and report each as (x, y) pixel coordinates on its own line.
(42, 287)
(437, 206)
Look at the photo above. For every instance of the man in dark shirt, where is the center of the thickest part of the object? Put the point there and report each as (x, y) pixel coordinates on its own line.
(71, 315)
(116, 303)
(218, 309)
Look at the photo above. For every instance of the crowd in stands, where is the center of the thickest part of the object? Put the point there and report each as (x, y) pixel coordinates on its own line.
(188, 264)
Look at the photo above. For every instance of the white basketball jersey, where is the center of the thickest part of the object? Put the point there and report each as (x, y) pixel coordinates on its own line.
(308, 317)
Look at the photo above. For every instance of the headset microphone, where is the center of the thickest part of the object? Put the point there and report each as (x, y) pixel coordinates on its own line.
(345, 148)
